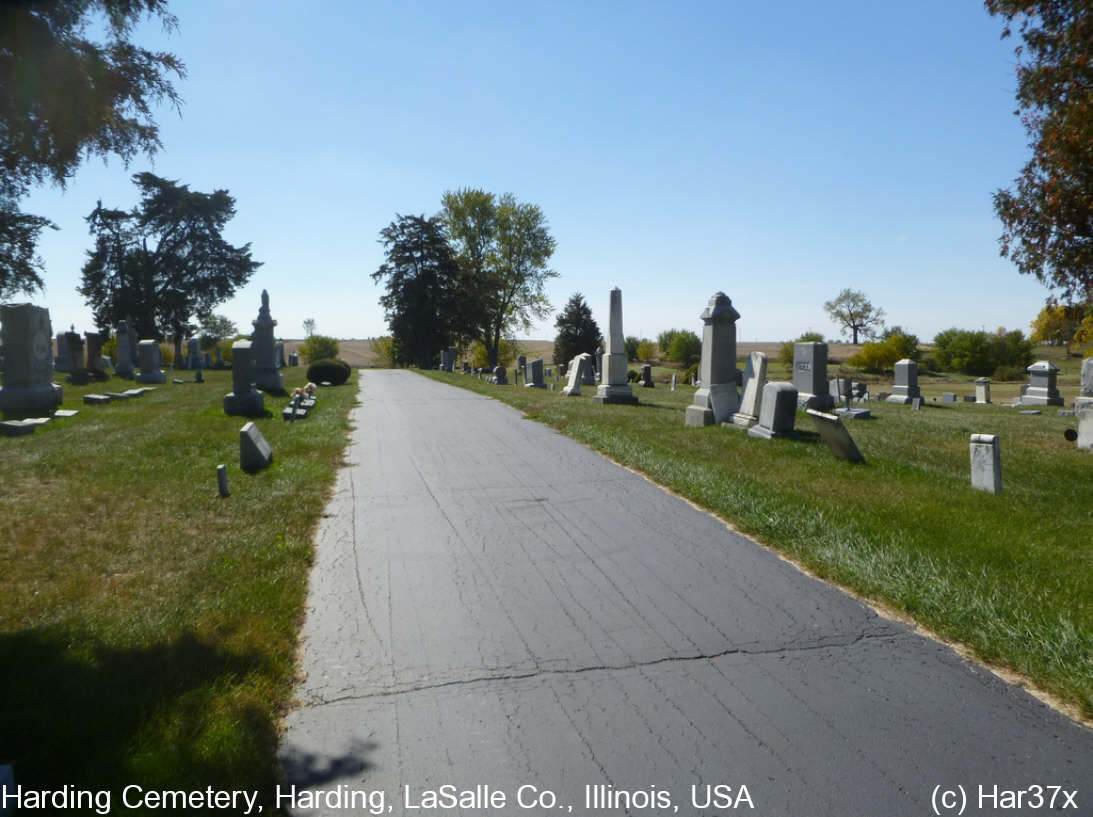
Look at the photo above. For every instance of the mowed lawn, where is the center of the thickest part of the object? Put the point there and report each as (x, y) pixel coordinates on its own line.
(148, 626)
(1009, 576)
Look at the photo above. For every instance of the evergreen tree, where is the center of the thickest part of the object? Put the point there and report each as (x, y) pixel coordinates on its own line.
(577, 330)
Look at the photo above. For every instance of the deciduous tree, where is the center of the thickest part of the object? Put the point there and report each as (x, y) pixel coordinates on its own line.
(855, 314)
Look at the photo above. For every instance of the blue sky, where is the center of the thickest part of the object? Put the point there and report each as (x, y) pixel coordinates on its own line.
(777, 151)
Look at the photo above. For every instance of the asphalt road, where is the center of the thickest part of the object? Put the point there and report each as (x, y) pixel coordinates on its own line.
(498, 609)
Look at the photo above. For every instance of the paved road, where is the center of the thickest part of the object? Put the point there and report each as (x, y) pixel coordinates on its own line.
(494, 605)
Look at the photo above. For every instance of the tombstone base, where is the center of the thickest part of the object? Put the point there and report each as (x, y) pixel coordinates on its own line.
(30, 398)
(764, 433)
(574, 392)
(698, 416)
(742, 421)
(154, 376)
(1040, 400)
(615, 394)
(249, 404)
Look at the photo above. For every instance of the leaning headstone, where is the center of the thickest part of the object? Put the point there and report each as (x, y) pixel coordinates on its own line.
(77, 363)
(778, 413)
(577, 370)
(647, 377)
(534, 379)
(244, 399)
(983, 390)
(60, 363)
(1042, 390)
(149, 356)
(716, 400)
(1085, 428)
(614, 387)
(810, 375)
(755, 378)
(948, 397)
(906, 386)
(255, 452)
(1085, 399)
(266, 374)
(835, 436)
(500, 377)
(986, 463)
(28, 360)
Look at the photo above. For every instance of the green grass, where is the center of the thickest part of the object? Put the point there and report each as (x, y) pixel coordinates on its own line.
(1010, 576)
(148, 626)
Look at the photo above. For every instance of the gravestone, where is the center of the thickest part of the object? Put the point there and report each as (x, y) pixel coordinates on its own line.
(522, 368)
(916, 403)
(534, 379)
(466, 367)
(673, 381)
(255, 452)
(265, 372)
(206, 360)
(835, 436)
(810, 375)
(597, 374)
(126, 351)
(647, 377)
(986, 463)
(906, 387)
(77, 364)
(983, 390)
(578, 369)
(150, 360)
(500, 378)
(95, 364)
(243, 400)
(778, 412)
(614, 387)
(1085, 428)
(1041, 390)
(588, 374)
(219, 360)
(948, 397)
(28, 360)
(1085, 399)
(280, 354)
(60, 363)
(716, 400)
(193, 353)
(968, 398)
(755, 378)
(451, 359)
(293, 360)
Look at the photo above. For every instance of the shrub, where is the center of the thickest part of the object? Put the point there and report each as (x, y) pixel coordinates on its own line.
(689, 373)
(1009, 373)
(685, 348)
(319, 347)
(631, 343)
(647, 350)
(333, 371)
(385, 351)
(980, 353)
(507, 352)
(879, 356)
(632, 375)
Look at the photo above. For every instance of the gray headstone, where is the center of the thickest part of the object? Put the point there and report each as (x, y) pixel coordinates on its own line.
(579, 368)
(61, 364)
(95, 364)
(614, 387)
(755, 378)
(983, 390)
(986, 463)
(254, 451)
(265, 373)
(243, 400)
(906, 386)
(778, 413)
(28, 360)
(716, 400)
(673, 381)
(1087, 377)
(1085, 428)
(1041, 389)
(646, 380)
(280, 354)
(534, 378)
(968, 398)
(16, 428)
(810, 375)
(150, 360)
(500, 377)
(193, 353)
(948, 397)
(77, 362)
(835, 436)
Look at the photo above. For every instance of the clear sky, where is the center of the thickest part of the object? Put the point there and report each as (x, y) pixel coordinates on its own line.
(777, 151)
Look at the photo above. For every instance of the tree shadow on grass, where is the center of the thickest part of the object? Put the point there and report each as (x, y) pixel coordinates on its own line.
(180, 715)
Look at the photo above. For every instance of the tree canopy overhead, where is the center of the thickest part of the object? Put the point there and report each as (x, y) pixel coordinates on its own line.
(164, 261)
(855, 314)
(1048, 218)
(63, 98)
(503, 248)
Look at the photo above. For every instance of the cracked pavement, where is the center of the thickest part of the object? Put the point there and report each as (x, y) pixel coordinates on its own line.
(494, 604)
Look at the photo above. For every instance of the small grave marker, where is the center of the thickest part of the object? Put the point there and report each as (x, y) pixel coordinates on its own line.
(986, 455)
(255, 452)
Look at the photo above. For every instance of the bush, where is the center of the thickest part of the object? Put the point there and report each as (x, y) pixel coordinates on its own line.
(507, 352)
(882, 355)
(647, 350)
(1009, 373)
(980, 353)
(632, 375)
(685, 348)
(332, 371)
(166, 354)
(319, 347)
(689, 373)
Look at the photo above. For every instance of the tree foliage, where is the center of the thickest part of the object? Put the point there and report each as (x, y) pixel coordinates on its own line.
(630, 343)
(647, 350)
(979, 352)
(685, 347)
(1048, 218)
(165, 261)
(854, 314)
(214, 328)
(503, 248)
(424, 304)
(309, 327)
(882, 355)
(319, 347)
(64, 97)
(1057, 324)
(578, 331)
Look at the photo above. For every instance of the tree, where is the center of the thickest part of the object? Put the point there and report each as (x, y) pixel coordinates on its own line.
(786, 351)
(502, 247)
(685, 348)
(1048, 220)
(979, 352)
(215, 327)
(853, 312)
(665, 338)
(630, 343)
(424, 306)
(309, 327)
(63, 98)
(577, 330)
(383, 350)
(647, 350)
(165, 260)
(1057, 324)
(319, 347)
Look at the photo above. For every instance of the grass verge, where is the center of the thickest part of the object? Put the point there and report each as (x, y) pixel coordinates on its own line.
(1009, 576)
(148, 626)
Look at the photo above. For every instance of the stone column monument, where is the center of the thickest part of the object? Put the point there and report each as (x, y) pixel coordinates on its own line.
(717, 399)
(28, 360)
(266, 374)
(613, 387)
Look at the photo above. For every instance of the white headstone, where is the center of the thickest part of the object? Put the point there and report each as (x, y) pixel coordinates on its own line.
(578, 367)
(986, 463)
(755, 378)
(613, 386)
